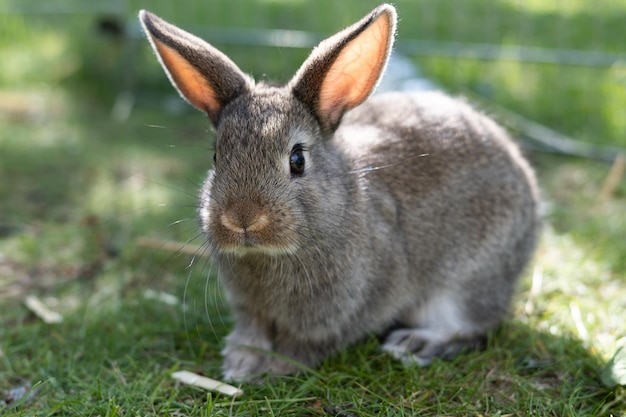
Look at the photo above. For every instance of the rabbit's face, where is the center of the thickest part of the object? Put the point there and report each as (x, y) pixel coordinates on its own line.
(255, 199)
(279, 184)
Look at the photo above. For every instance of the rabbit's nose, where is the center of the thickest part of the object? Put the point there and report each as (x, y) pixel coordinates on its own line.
(244, 218)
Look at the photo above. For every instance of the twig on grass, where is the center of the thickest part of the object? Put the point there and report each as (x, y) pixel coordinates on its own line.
(535, 290)
(196, 380)
(35, 305)
(613, 178)
(578, 322)
(169, 246)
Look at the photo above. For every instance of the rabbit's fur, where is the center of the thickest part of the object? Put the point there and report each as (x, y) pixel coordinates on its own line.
(413, 212)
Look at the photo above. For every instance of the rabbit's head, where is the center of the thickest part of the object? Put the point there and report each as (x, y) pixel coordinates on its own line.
(279, 181)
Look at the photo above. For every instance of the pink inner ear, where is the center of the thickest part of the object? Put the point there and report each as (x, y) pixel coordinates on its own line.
(188, 80)
(356, 70)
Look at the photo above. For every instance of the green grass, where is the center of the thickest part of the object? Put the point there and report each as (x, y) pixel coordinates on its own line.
(78, 189)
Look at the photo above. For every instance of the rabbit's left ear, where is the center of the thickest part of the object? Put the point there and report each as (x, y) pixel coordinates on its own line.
(203, 75)
(344, 69)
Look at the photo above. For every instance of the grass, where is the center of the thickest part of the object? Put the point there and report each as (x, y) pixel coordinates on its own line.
(79, 189)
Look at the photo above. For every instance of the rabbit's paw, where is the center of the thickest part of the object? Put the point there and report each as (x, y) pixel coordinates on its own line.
(421, 346)
(242, 363)
(245, 354)
(252, 365)
(282, 366)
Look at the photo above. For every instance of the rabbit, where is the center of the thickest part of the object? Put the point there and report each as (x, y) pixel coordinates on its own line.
(331, 218)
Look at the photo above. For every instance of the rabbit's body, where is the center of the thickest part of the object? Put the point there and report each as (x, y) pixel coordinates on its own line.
(421, 255)
(411, 212)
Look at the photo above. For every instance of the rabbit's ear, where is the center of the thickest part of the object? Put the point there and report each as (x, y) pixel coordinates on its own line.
(344, 69)
(204, 76)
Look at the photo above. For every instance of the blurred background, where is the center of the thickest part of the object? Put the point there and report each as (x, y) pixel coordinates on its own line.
(100, 160)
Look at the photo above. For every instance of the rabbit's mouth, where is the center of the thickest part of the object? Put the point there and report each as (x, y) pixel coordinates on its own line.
(273, 251)
(248, 246)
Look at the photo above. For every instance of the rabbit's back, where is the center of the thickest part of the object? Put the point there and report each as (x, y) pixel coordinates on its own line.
(450, 184)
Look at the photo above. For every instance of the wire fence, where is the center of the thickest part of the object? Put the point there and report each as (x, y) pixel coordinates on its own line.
(537, 63)
(254, 31)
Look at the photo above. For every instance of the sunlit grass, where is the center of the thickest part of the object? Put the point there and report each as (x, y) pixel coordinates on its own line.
(572, 279)
(34, 57)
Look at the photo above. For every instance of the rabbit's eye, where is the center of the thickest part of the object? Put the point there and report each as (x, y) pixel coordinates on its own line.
(296, 160)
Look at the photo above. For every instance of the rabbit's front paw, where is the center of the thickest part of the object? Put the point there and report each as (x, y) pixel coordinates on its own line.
(245, 355)
(252, 365)
(242, 364)
(421, 346)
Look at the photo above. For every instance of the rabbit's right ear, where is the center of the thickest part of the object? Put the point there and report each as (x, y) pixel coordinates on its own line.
(203, 75)
(344, 69)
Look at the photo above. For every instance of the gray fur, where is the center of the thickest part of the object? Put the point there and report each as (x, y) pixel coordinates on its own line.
(415, 212)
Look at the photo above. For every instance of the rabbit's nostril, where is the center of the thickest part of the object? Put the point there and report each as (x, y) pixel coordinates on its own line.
(242, 222)
(258, 223)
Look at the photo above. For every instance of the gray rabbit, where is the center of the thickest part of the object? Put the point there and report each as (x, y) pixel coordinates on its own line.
(330, 217)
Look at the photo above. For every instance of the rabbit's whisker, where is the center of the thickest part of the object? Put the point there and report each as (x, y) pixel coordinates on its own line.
(367, 170)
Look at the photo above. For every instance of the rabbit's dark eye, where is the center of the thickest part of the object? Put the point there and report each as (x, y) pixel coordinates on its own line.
(214, 158)
(296, 160)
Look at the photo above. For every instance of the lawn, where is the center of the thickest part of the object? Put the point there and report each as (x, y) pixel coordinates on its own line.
(100, 165)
